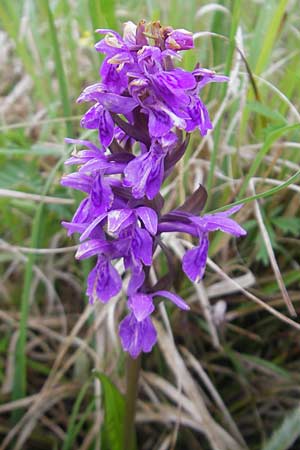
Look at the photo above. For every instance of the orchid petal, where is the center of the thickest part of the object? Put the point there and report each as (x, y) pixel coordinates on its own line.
(141, 305)
(149, 218)
(173, 297)
(194, 260)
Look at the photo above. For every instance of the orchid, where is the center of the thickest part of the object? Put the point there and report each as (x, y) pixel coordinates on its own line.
(143, 110)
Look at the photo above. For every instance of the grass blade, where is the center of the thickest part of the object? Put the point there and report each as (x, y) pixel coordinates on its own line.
(271, 138)
(20, 376)
(114, 406)
(63, 87)
(287, 433)
(236, 11)
(70, 434)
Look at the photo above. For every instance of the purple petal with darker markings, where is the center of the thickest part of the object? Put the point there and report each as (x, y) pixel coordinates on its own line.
(137, 337)
(117, 103)
(194, 260)
(101, 194)
(219, 221)
(180, 79)
(174, 298)
(85, 143)
(95, 165)
(136, 280)
(180, 39)
(142, 246)
(73, 227)
(115, 80)
(108, 100)
(104, 282)
(160, 122)
(87, 232)
(91, 118)
(82, 214)
(106, 128)
(198, 116)
(84, 157)
(145, 173)
(149, 218)
(118, 219)
(77, 181)
(91, 248)
(141, 305)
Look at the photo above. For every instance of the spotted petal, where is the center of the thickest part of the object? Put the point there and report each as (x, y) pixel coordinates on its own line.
(104, 282)
(194, 261)
(141, 305)
(137, 337)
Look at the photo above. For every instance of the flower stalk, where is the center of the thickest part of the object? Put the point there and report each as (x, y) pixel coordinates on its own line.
(132, 381)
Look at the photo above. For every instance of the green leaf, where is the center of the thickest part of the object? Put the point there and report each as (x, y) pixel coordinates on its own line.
(60, 71)
(271, 32)
(287, 433)
(114, 407)
(73, 429)
(288, 224)
(20, 373)
(265, 111)
(289, 278)
(265, 194)
(261, 251)
(102, 14)
(265, 365)
(270, 139)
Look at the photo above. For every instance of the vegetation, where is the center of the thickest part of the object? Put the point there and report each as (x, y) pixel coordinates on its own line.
(226, 375)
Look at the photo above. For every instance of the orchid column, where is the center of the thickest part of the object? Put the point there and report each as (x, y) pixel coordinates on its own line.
(144, 109)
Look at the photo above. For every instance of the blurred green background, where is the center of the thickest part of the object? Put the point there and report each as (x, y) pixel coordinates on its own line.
(239, 360)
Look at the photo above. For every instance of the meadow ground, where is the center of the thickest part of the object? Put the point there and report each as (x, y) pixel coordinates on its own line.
(225, 376)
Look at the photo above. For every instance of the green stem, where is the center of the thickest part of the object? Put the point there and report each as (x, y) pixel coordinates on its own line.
(132, 378)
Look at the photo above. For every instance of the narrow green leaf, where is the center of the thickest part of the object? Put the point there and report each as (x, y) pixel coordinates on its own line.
(236, 12)
(63, 87)
(265, 194)
(287, 433)
(10, 17)
(114, 407)
(270, 35)
(266, 111)
(270, 139)
(20, 374)
(266, 365)
(71, 434)
(289, 278)
(102, 14)
(109, 11)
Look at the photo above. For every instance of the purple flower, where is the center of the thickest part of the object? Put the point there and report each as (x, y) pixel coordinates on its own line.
(180, 40)
(137, 337)
(145, 173)
(103, 282)
(143, 110)
(194, 261)
(136, 330)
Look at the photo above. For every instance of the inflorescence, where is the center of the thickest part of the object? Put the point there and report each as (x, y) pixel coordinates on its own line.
(144, 109)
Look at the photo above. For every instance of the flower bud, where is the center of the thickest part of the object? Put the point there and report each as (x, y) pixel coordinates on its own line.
(180, 40)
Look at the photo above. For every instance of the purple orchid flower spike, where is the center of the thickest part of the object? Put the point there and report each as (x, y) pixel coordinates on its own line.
(143, 110)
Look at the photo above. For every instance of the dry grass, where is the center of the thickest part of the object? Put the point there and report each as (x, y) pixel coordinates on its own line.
(223, 375)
